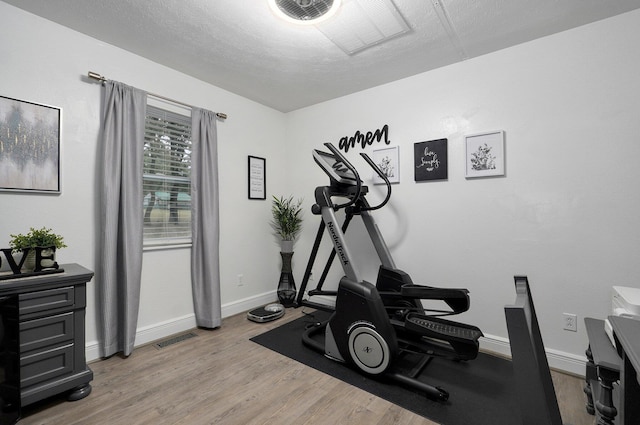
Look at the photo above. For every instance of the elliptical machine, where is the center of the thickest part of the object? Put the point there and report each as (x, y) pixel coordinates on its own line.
(375, 327)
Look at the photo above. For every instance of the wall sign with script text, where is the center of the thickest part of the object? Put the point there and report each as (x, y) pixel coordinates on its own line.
(430, 160)
(365, 139)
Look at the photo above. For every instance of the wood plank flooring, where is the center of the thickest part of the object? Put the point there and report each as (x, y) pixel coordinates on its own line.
(220, 377)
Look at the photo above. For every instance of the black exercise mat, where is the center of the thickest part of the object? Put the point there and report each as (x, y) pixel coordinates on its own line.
(481, 391)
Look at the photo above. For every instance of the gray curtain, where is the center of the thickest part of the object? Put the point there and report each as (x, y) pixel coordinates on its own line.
(205, 262)
(120, 263)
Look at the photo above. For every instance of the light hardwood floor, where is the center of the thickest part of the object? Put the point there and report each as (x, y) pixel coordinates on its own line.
(220, 377)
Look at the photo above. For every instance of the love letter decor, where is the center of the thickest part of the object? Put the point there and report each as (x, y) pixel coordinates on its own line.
(365, 139)
(430, 160)
(44, 262)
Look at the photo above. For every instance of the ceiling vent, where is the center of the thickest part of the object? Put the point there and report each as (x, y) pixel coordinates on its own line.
(304, 11)
(363, 24)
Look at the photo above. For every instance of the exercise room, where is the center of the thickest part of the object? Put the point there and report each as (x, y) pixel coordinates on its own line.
(319, 212)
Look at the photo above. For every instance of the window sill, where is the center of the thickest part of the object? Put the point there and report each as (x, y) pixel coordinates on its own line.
(166, 247)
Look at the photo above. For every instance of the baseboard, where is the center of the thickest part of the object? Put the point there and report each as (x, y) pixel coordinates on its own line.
(558, 360)
(164, 329)
(240, 306)
(149, 334)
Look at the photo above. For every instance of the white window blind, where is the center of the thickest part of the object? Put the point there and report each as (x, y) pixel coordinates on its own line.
(167, 178)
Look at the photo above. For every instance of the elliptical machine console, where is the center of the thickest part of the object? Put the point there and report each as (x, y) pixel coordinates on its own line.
(374, 327)
(337, 171)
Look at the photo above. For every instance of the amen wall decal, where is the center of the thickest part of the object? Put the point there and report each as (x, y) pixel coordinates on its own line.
(365, 139)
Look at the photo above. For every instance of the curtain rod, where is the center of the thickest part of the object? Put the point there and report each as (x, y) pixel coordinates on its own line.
(96, 76)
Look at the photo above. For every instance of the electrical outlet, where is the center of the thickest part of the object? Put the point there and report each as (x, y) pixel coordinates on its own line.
(570, 322)
(240, 277)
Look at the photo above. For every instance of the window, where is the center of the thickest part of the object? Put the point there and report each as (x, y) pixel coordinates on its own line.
(166, 181)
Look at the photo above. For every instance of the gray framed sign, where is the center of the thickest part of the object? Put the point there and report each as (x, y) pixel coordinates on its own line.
(29, 146)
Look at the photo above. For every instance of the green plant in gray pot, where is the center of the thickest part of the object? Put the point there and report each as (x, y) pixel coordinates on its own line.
(287, 223)
(43, 238)
(287, 220)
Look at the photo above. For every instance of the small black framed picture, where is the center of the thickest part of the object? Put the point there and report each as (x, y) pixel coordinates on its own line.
(257, 178)
(430, 160)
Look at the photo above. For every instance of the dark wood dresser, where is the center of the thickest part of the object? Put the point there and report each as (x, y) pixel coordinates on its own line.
(43, 337)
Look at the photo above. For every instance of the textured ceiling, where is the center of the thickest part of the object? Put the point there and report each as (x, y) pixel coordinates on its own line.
(241, 46)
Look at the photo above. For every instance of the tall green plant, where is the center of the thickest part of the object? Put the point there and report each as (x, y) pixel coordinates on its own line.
(287, 217)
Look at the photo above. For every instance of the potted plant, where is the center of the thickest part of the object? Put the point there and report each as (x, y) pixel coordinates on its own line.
(287, 223)
(287, 220)
(37, 238)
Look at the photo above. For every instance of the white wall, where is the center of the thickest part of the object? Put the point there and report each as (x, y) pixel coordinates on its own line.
(46, 63)
(566, 214)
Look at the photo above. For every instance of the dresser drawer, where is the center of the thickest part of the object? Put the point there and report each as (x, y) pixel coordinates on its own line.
(46, 365)
(35, 302)
(46, 331)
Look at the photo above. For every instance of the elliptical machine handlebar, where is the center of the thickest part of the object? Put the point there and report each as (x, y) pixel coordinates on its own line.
(383, 176)
(351, 168)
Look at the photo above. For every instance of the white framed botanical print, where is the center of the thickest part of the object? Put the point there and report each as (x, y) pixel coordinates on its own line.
(388, 160)
(484, 154)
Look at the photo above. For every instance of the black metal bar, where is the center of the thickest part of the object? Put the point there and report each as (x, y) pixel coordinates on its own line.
(332, 256)
(312, 259)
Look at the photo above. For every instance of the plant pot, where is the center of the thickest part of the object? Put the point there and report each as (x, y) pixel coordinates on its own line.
(30, 262)
(286, 246)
